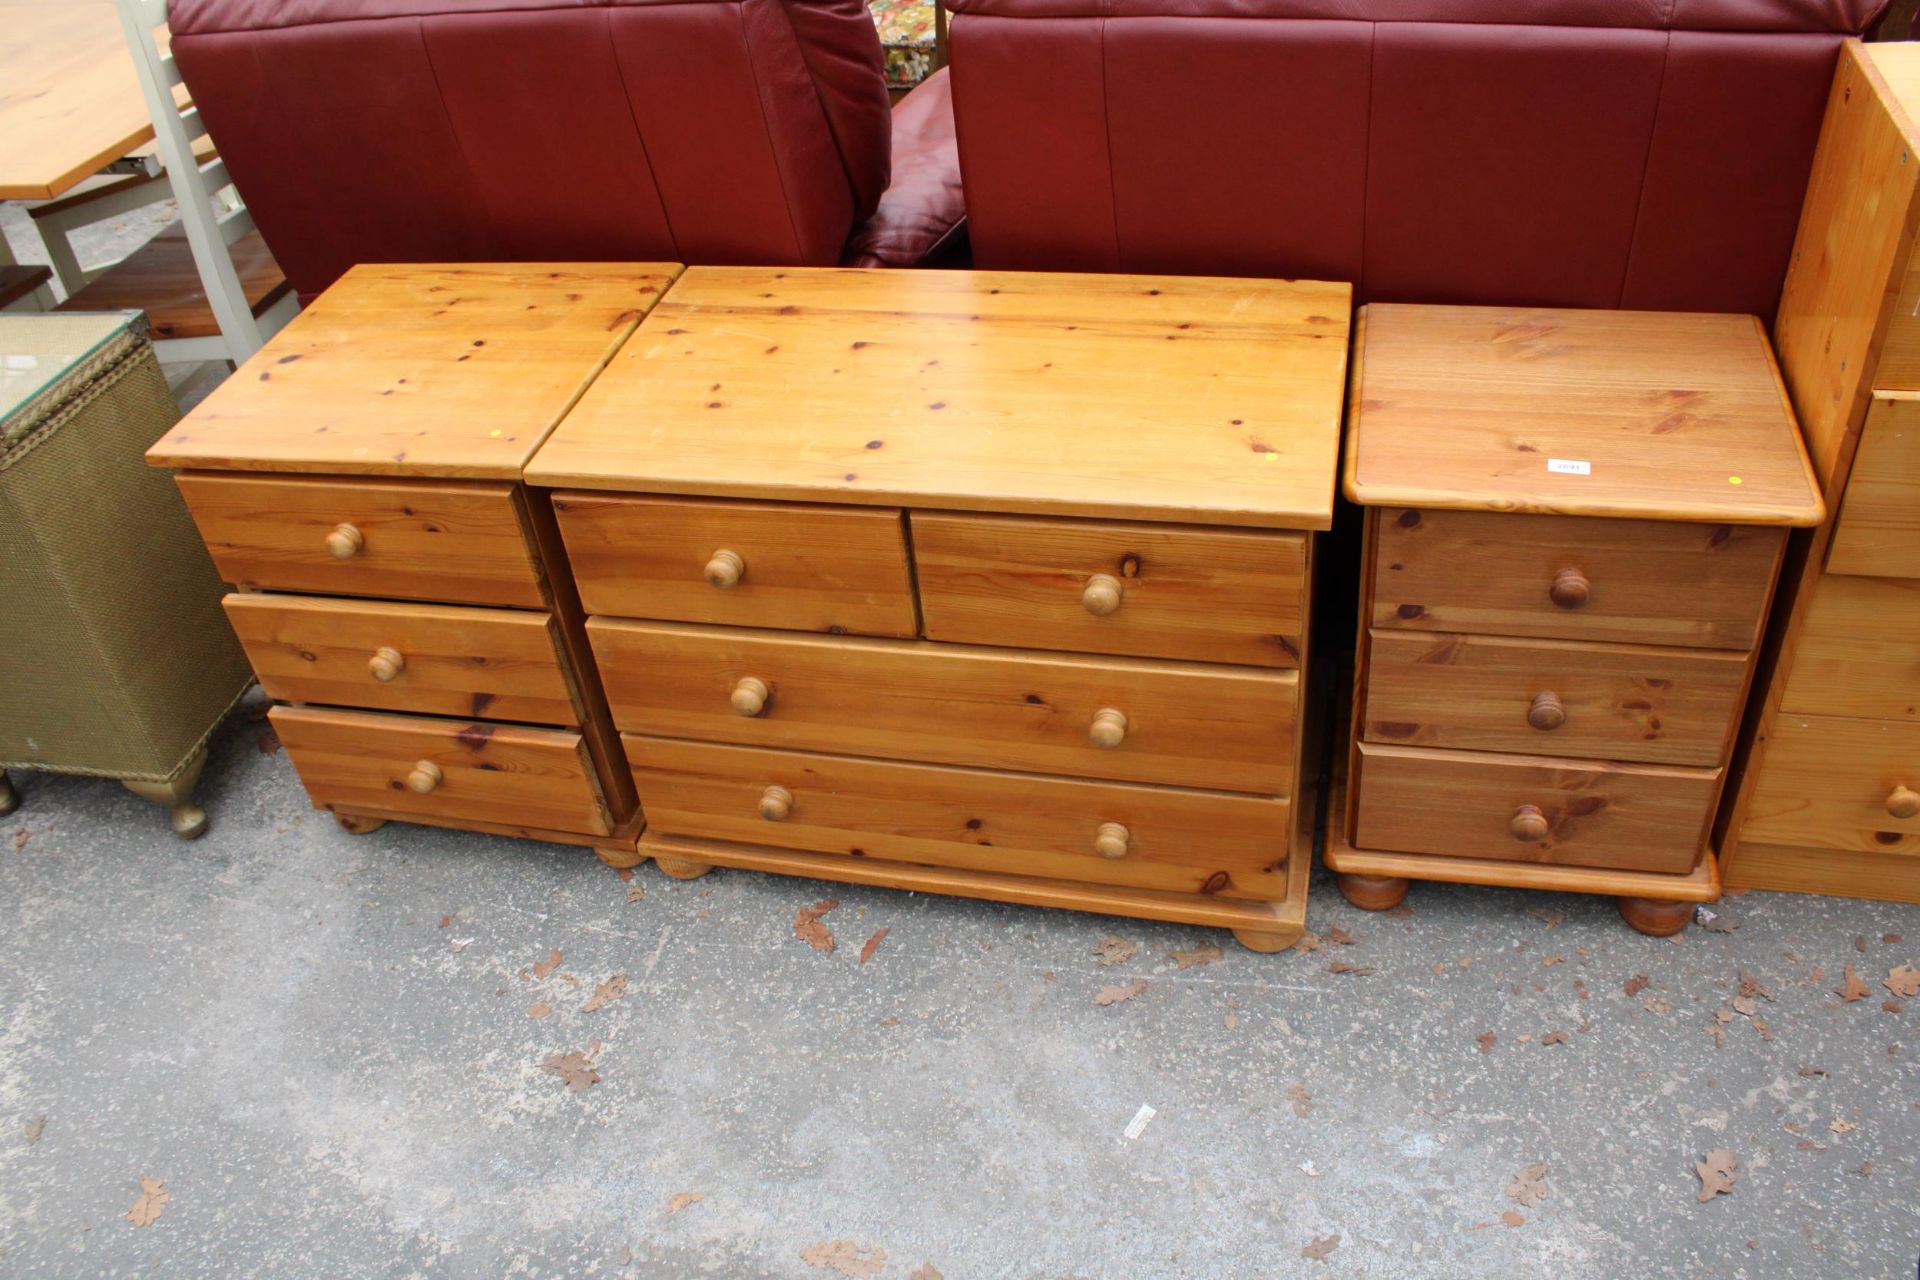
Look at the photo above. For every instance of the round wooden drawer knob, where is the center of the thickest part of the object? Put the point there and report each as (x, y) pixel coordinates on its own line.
(1904, 802)
(1111, 840)
(344, 542)
(1570, 589)
(424, 777)
(1547, 712)
(726, 569)
(776, 803)
(1101, 595)
(750, 696)
(1529, 824)
(386, 664)
(1109, 727)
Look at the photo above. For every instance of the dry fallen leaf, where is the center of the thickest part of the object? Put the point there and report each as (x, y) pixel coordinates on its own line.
(34, 1128)
(1636, 984)
(1340, 937)
(1341, 966)
(1205, 953)
(846, 1257)
(1745, 1006)
(625, 1256)
(606, 993)
(1514, 1218)
(457, 945)
(539, 1009)
(541, 968)
(1837, 1125)
(1529, 1186)
(153, 1198)
(1718, 1172)
(682, 1200)
(1554, 1037)
(1891, 939)
(1904, 981)
(1307, 941)
(1553, 959)
(1302, 1100)
(1114, 995)
(1321, 1247)
(925, 1271)
(574, 1067)
(445, 921)
(636, 892)
(807, 926)
(1111, 950)
(873, 943)
(1855, 988)
(1892, 1006)
(1487, 1040)
(1657, 1004)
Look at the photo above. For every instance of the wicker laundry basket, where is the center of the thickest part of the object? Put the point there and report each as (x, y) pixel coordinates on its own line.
(116, 659)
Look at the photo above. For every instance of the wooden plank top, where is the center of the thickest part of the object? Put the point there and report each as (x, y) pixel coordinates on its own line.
(1641, 414)
(447, 370)
(1178, 399)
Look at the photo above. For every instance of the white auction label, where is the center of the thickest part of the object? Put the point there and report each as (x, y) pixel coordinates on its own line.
(1570, 466)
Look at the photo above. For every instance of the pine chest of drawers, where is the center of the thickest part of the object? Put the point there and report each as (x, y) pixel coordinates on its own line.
(1574, 523)
(985, 584)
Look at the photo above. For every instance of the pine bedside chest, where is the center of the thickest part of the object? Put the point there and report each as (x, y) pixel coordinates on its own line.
(359, 481)
(1574, 524)
(983, 584)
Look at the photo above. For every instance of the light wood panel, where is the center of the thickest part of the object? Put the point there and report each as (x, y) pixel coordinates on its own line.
(1211, 595)
(429, 370)
(355, 760)
(1858, 651)
(1893, 69)
(442, 660)
(1705, 585)
(1181, 724)
(1847, 873)
(1610, 702)
(1182, 841)
(1178, 398)
(1628, 816)
(1878, 533)
(418, 540)
(801, 568)
(1827, 782)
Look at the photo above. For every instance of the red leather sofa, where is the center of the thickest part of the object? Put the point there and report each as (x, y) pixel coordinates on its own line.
(1600, 153)
(700, 131)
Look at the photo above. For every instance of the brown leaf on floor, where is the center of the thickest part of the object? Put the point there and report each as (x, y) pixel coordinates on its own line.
(1114, 995)
(1859, 942)
(1307, 941)
(681, 1200)
(636, 892)
(1890, 939)
(1554, 1037)
(1321, 1247)
(21, 837)
(1514, 1218)
(846, 1257)
(1904, 981)
(1892, 1006)
(1339, 937)
(1112, 950)
(605, 993)
(1231, 1021)
(807, 926)
(1718, 1172)
(1837, 1125)
(1760, 1025)
(541, 968)
(1529, 1186)
(574, 1067)
(1553, 959)
(1487, 1040)
(1636, 984)
(1656, 1004)
(1302, 1100)
(539, 1009)
(1341, 966)
(625, 1256)
(34, 1128)
(445, 921)
(1812, 1072)
(268, 742)
(873, 943)
(1855, 988)
(1548, 916)
(1205, 953)
(1745, 1006)
(1400, 911)
(153, 1198)
(925, 1271)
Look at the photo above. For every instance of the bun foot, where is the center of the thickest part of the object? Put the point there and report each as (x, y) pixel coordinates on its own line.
(189, 821)
(1372, 893)
(681, 868)
(1656, 917)
(354, 824)
(619, 856)
(1266, 941)
(9, 798)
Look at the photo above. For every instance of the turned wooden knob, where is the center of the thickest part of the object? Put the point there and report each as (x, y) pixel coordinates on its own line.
(1529, 824)
(1101, 595)
(345, 542)
(1547, 711)
(776, 803)
(1111, 840)
(1109, 727)
(386, 664)
(725, 569)
(1904, 802)
(424, 777)
(1570, 589)
(750, 696)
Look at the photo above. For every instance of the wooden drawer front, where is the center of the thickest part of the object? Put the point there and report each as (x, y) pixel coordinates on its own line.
(1212, 595)
(1649, 582)
(417, 540)
(519, 777)
(1838, 784)
(1184, 841)
(1552, 697)
(800, 568)
(1197, 726)
(1878, 533)
(439, 659)
(1859, 650)
(1468, 804)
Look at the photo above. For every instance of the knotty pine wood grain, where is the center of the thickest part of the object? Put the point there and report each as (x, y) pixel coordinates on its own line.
(1859, 650)
(1825, 781)
(1878, 531)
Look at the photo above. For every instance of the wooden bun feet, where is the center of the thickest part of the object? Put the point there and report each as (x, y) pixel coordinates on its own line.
(619, 856)
(681, 868)
(1373, 893)
(1266, 941)
(354, 824)
(9, 798)
(1656, 917)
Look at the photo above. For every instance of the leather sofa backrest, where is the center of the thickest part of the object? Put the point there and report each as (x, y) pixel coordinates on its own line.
(1600, 153)
(719, 131)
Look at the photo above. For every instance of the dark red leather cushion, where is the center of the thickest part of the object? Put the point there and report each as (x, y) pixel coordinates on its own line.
(923, 211)
(1845, 16)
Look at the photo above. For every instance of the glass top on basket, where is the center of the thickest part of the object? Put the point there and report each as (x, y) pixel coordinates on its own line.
(36, 349)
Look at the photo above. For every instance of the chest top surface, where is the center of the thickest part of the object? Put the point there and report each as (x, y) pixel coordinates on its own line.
(1182, 399)
(1651, 415)
(445, 370)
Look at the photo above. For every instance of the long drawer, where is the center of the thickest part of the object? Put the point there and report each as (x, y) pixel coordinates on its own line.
(1096, 832)
(1859, 650)
(1573, 578)
(1552, 697)
(1517, 808)
(453, 769)
(1838, 784)
(1878, 530)
(1227, 728)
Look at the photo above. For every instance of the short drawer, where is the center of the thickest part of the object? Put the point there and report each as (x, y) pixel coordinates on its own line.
(439, 659)
(1552, 697)
(451, 540)
(1878, 532)
(1858, 652)
(1227, 728)
(1628, 817)
(754, 564)
(1572, 577)
(453, 769)
(1838, 784)
(1094, 832)
(1095, 586)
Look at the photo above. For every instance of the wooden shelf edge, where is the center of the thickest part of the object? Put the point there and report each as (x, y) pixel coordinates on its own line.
(624, 836)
